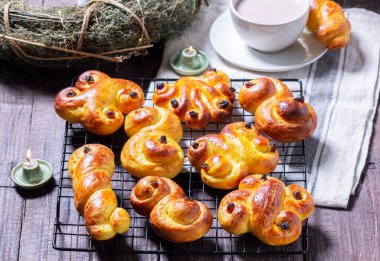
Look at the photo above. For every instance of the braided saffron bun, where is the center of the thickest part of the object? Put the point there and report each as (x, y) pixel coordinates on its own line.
(152, 148)
(264, 206)
(91, 168)
(197, 101)
(329, 24)
(277, 113)
(228, 157)
(173, 216)
(98, 102)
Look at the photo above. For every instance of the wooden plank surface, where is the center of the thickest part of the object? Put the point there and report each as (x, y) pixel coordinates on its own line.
(15, 115)
(28, 120)
(40, 205)
(11, 217)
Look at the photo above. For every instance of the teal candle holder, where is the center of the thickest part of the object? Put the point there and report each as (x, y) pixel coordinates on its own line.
(189, 62)
(32, 173)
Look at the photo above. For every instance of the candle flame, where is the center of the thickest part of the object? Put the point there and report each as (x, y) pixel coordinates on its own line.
(189, 51)
(28, 156)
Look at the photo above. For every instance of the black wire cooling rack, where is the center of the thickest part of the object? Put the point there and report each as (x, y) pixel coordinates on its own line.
(69, 229)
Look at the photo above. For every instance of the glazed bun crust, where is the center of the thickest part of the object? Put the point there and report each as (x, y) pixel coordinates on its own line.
(149, 153)
(329, 24)
(226, 158)
(91, 168)
(278, 114)
(152, 149)
(173, 216)
(267, 208)
(197, 101)
(98, 102)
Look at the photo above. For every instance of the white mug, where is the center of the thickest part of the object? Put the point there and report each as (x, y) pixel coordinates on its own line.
(269, 25)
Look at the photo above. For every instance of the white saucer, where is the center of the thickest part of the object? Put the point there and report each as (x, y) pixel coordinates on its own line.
(230, 47)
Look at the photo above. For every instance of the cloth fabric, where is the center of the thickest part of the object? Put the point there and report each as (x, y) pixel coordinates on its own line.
(343, 87)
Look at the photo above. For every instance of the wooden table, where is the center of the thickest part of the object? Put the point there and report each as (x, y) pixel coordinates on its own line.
(27, 119)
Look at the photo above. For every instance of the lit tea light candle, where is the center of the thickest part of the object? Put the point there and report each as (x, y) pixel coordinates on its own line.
(189, 61)
(189, 52)
(31, 168)
(31, 173)
(29, 164)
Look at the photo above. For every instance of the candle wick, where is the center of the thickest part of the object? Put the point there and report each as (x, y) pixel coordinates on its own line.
(27, 162)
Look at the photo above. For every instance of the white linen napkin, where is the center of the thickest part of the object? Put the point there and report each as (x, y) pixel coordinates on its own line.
(343, 87)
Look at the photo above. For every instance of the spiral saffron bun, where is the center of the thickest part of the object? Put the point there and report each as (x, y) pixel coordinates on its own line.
(329, 24)
(158, 120)
(98, 102)
(197, 101)
(173, 216)
(277, 113)
(153, 147)
(228, 157)
(148, 153)
(91, 168)
(267, 208)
